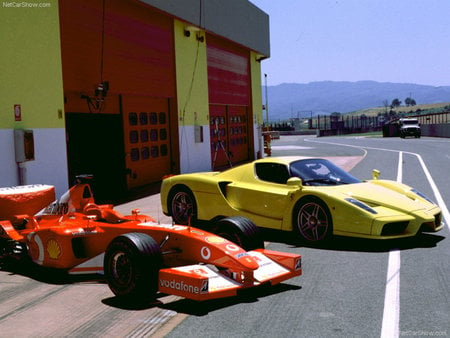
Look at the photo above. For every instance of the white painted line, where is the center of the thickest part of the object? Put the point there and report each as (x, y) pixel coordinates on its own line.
(290, 147)
(400, 168)
(391, 313)
(437, 194)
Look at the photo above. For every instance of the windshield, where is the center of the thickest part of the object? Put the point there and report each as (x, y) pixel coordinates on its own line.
(320, 172)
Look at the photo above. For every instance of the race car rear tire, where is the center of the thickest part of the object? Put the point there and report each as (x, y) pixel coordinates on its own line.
(182, 206)
(312, 220)
(241, 231)
(131, 264)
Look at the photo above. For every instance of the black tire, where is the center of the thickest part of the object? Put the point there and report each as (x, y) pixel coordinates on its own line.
(182, 206)
(12, 253)
(312, 220)
(241, 231)
(132, 262)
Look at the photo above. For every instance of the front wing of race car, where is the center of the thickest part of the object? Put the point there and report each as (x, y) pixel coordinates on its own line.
(203, 282)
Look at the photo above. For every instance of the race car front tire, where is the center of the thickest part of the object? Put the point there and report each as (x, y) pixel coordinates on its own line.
(241, 231)
(131, 265)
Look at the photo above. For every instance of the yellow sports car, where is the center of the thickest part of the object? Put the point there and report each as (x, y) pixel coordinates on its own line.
(310, 196)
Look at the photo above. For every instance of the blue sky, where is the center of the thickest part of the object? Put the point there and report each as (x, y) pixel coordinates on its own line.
(403, 41)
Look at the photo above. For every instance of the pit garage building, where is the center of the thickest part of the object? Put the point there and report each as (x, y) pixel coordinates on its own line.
(128, 90)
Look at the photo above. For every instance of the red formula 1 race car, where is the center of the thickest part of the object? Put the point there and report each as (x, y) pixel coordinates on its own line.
(138, 256)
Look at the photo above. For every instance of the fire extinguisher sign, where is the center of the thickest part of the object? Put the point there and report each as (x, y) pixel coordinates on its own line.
(17, 112)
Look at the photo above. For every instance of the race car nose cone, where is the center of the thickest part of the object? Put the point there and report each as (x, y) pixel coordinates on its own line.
(249, 262)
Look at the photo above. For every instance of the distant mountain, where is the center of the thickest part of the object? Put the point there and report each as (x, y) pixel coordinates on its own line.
(292, 99)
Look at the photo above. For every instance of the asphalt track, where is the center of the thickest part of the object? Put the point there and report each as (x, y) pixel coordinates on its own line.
(350, 288)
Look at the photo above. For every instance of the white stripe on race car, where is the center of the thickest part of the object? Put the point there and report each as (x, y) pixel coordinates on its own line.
(40, 247)
(93, 265)
(216, 280)
(267, 268)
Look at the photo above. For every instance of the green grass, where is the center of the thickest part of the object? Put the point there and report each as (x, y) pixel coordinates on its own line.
(431, 108)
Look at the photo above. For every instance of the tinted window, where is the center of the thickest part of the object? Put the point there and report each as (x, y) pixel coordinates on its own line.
(272, 172)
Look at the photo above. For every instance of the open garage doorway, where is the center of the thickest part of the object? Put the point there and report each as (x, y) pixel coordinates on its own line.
(95, 146)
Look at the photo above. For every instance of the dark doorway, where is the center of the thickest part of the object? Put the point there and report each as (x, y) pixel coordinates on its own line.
(95, 146)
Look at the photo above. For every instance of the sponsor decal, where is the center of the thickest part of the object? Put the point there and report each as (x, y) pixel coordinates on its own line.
(232, 247)
(57, 208)
(242, 254)
(164, 226)
(180, 286)
(201, 272)
(83, 232)
(53, 249)
(204, 288)
(197, 232)
(205, 252)
(214, 239)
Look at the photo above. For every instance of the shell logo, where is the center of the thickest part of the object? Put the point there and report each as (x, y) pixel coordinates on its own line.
(214, 239)
(53, 249)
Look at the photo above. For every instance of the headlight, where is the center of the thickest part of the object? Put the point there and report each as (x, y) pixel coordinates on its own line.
(418, 193)
(361, 205)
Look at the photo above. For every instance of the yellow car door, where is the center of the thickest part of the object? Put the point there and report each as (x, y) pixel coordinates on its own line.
(265, 193)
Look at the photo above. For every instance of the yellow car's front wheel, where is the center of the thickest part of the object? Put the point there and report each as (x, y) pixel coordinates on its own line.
(312, 219)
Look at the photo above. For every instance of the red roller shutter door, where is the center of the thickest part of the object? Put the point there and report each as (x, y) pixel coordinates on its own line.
(229, 97)
(132, 48)
(147, 143)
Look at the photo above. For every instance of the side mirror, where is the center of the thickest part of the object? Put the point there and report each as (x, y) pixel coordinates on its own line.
(295, 182)
(375, 174)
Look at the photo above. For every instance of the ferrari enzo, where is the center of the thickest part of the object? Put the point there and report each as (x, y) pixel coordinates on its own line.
(138, 256)
(311, 196)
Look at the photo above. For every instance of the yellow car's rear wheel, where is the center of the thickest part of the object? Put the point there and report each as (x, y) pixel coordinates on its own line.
(312, 220)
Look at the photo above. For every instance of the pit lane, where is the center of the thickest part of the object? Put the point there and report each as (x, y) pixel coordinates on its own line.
(341, 292)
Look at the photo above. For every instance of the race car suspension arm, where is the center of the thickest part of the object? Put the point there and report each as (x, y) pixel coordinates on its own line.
(170, 251)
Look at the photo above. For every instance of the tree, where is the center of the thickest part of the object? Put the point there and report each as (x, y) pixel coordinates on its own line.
(396, 103)
(410, 102)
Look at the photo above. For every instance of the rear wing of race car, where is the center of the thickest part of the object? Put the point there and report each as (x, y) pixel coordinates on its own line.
(24, 199)
(203, 282)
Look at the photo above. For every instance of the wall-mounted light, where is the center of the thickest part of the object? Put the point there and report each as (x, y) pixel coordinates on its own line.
(96, 103)
(193, 29)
